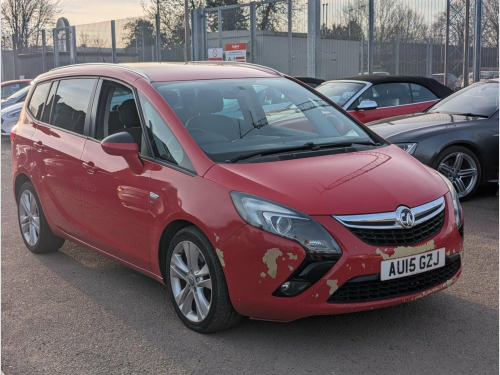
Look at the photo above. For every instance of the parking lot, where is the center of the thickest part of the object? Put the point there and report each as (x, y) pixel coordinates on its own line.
(77, 312)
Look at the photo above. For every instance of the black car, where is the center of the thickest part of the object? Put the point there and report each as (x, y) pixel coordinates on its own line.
(458, 136)
(311, 81)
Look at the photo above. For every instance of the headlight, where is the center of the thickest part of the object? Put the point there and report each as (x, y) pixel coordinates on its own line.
(285, 222)
(408, 147)
(454, 197)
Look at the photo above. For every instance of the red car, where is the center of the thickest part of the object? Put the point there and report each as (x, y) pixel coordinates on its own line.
(238, 187)
(370, 98)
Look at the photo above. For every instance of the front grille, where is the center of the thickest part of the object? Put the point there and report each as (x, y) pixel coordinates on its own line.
(400, 237)
(370, 288)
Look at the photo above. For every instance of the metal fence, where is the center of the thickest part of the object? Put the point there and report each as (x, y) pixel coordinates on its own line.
(324, 38)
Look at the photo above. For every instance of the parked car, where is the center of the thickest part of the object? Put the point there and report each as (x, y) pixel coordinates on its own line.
(242, 208)
(369, 98)
(11, 87)
(457, 136)
(17, 97)
(10, 115)
(313, 82)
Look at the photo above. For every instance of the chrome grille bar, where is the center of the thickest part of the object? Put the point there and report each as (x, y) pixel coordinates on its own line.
(389, 220)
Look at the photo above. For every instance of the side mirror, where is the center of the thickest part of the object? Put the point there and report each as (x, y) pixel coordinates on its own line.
(122, 144)
(367, 104)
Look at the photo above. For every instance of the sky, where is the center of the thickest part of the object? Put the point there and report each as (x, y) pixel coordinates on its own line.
(80, 12)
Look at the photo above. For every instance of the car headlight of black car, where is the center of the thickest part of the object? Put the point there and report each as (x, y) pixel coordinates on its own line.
(408, 147)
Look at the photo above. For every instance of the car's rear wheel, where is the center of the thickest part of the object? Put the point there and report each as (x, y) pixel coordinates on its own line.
(35, 230)
(198, 288)
(462, 167)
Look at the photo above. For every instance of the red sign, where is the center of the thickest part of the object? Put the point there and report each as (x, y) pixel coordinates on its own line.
(236, 46)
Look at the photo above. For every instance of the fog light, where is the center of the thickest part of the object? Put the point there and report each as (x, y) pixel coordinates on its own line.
(292, 288)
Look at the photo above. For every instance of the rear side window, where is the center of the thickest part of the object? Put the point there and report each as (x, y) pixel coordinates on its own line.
(71, 104)
(37, 100)
(421, 94)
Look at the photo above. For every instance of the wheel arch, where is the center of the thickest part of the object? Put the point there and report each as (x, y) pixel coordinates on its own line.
(20, 180)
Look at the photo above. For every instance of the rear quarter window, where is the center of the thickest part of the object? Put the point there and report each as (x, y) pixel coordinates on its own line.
(37, 100)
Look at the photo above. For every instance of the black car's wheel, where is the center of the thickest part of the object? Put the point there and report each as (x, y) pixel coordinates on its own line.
(35, 230)
(198, 287)
(462, 168)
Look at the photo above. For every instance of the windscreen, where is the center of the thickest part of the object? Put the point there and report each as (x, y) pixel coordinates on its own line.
(479, 99)
(232, 117)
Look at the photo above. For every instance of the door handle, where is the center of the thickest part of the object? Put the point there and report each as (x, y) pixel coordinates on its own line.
(38, 146)
(90, 167)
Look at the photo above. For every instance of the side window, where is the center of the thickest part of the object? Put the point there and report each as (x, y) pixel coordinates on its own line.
(71, 104)
(117, 112)
(49, 103)
(369, 94)
(165, 145)
(393, 94)
(37, 100)
(421, 94)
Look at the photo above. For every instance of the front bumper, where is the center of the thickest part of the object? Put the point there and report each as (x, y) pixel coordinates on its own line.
(257, 263)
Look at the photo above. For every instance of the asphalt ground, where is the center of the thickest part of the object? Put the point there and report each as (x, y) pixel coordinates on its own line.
(77, 312)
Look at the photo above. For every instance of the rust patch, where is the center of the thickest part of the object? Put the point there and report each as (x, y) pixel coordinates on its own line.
(220, 254)
(269, 260)
(404, 251)
(263, 275)
(333, 285)
(292, 256)
(216, 237)
(363, 265)
(290, 267)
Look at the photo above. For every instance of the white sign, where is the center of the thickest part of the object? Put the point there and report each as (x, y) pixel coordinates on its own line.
(215, 54)
(237, 55)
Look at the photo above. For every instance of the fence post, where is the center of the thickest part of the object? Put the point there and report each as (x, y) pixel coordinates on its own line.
(158, 38)
(143, 42)
(219, 24)
(362, 57)
(187, 47)
(44, 52)
(396, 62)
(466, 46)
(55, 37)
(290, 37)
(477, 42)
(447, 41)
(72, 46)
(313, 35)
(113, 42)
(371, 22)
(253, 34)
(197, 34)
(14, 55)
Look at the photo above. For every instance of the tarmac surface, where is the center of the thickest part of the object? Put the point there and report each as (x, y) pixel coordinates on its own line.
(77, 312)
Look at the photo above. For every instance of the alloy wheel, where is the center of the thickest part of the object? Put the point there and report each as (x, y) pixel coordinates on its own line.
(29, 217)
(461, 170)
(190, 281)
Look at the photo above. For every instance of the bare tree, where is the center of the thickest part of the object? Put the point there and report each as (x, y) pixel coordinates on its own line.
(27, 18)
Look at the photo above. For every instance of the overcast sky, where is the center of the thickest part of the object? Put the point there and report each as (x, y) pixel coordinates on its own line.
(89, 11)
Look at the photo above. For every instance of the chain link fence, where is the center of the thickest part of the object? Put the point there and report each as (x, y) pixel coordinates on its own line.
(329, 38)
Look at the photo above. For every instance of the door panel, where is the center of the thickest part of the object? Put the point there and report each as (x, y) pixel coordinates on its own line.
(380, 113)
(60, 177)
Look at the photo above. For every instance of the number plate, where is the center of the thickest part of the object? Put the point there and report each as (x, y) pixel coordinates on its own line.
(412, 265)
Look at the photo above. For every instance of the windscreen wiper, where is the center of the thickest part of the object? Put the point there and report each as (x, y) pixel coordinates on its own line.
(304, 147)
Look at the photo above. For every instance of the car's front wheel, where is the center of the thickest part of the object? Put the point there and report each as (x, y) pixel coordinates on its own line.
(462, 167)
(198, 288)
(35, 230)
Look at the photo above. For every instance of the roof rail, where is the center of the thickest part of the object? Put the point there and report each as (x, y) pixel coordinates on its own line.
(250, 65)
(124, 67)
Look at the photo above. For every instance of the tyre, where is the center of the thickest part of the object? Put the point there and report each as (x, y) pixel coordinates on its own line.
(198, 288)
(462, 167)
(35, 230)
